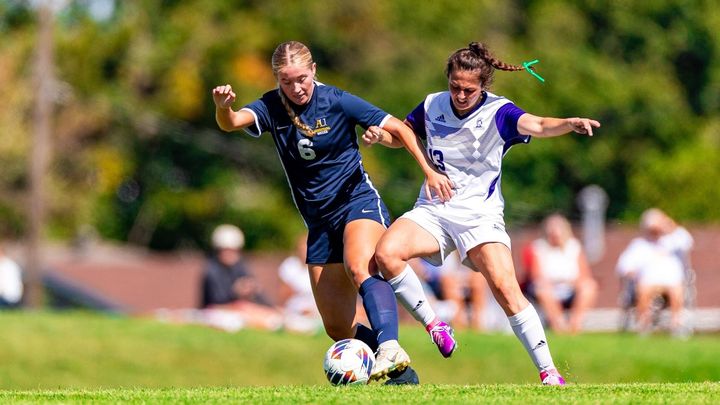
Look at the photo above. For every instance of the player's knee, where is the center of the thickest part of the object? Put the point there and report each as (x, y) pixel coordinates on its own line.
(338, 332)
(387, 255)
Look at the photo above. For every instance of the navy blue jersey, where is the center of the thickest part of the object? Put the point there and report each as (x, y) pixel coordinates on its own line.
(323, 170)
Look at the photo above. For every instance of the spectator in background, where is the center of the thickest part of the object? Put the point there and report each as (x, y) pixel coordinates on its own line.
(461, 291)
(678, 240)
(227, 285)
(559, 276)
(11, 284)
(301, 313)
(651, 266)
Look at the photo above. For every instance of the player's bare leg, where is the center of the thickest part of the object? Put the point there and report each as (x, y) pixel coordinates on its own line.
(405, 240)
(494, 261)
(335, 296)
(360, 238)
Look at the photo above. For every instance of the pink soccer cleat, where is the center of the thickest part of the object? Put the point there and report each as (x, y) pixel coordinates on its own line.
(442, 335)
(551, 377)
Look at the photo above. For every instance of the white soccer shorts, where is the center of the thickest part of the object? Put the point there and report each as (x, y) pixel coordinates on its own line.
(457, 227)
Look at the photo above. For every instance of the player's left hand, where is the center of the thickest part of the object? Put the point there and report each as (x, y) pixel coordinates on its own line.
(372, 135)
(583, 125)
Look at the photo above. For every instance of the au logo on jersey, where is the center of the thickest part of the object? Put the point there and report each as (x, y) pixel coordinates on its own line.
(321, 126)
(478, 124)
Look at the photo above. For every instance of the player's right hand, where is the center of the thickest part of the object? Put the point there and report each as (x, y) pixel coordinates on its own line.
(373, 135)
(223, 96)
(440, 185)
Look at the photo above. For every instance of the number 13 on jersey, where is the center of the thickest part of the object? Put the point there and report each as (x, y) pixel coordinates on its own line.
(437, 158)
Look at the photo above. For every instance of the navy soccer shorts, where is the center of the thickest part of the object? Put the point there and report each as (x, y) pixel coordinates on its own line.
(325, 239)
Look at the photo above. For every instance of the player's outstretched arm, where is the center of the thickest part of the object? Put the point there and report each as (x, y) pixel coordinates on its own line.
(227, 119)
(545, 127)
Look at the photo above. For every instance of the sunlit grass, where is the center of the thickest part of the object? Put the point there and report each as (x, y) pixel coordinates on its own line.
(685, 393)
(75, 351)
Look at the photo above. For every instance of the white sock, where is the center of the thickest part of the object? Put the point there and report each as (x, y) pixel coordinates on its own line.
(409, 291)
(528, 328)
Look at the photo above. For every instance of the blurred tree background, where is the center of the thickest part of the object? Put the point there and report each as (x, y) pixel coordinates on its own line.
(138, 158)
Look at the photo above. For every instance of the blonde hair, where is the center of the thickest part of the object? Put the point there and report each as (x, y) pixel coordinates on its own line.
(559, 223)
(652, 219)
(286, 54)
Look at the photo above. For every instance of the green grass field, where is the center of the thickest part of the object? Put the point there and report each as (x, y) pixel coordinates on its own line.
(81, 357)
(679, 393)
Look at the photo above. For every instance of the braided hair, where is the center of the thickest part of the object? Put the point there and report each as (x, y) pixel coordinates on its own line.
(286, 54)
(477, 57)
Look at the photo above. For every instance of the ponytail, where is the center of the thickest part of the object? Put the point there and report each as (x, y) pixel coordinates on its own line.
(303, 127)
(483, 52)
(477, 57)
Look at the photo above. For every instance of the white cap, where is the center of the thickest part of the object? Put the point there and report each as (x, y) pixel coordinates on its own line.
(228, 237)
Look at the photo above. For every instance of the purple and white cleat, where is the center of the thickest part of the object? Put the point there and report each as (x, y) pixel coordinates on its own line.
(551, 377)
(443, 337)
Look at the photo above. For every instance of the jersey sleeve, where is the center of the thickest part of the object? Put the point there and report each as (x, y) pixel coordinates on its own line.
(263, 122)
(506, 120)
(364, 113)
(416, 118)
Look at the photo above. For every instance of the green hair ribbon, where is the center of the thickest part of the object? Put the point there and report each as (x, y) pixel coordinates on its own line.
(527, 67)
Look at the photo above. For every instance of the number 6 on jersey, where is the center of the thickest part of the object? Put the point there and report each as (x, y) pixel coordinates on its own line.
(306, 152)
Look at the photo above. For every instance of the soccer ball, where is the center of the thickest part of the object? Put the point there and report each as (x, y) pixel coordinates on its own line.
(348, 361)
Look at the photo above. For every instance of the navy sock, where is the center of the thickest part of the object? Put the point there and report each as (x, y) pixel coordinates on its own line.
(380, 307)
(367, 335)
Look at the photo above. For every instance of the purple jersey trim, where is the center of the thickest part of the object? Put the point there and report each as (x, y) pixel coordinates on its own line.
(416, 118)
(506, 119)
(491, 190)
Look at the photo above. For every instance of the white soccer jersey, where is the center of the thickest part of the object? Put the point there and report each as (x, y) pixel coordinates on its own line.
(469, 149)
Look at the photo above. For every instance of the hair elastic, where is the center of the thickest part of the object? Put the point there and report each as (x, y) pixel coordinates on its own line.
(527, 67)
